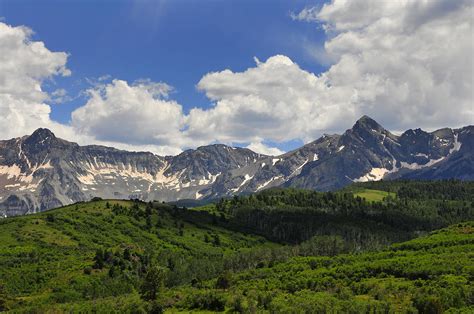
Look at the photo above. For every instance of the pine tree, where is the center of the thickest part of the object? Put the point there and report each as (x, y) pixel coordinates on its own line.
(99, 259)
(153, 282)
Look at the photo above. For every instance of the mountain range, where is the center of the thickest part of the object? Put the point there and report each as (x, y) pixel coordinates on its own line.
(41, 171)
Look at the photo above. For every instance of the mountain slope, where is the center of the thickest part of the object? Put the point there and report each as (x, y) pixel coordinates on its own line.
(41, 171)
(366, 152)
(460, 163)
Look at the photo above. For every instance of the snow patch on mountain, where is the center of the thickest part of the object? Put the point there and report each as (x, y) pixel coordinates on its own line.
(11, 172)
(297, 171)
(416, 166)
(209, 179)
(247, 178)
(456, 145)
(14, 173)
(261, 186)
(198, 195)
(375, 174)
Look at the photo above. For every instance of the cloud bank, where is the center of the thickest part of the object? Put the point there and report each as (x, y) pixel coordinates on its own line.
(407, 64)
(24, 66)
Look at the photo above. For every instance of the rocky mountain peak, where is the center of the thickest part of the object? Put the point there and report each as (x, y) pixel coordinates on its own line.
(368, 124)
(367, 131)
(41, 146)
(41, 136)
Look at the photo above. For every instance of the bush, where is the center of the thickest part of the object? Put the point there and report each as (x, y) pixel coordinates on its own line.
(224, 281)
(50, 218)
(206, 300)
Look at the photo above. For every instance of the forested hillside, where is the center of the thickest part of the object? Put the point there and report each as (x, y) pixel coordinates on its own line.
(104, 249)
(431, 274)
(274, 251)
(364, 215)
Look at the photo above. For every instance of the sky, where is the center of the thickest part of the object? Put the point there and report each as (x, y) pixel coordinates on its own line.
(165, 76)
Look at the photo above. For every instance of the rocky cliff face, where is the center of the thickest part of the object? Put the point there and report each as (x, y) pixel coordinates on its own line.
(41, 171)
(366, 152)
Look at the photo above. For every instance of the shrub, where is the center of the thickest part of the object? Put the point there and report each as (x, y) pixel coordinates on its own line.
(206, 300)
(224, 281)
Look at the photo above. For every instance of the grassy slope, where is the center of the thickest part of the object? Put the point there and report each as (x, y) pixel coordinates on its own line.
(43, 254)
(428, 274)
(373, 195)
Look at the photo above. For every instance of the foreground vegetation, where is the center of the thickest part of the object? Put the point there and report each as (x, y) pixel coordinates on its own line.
(103, 249)
(430, 274)
(281, 250)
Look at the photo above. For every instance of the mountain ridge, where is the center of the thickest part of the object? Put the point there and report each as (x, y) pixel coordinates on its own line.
(41, 171)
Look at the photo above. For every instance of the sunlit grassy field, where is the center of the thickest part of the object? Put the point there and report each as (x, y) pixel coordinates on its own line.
(374, 195)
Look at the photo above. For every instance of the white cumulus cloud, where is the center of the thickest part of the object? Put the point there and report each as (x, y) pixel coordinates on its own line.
(24, 65)
(405, 63)
(133, 114)
(261, 148)
(275, 100)
(117, 114)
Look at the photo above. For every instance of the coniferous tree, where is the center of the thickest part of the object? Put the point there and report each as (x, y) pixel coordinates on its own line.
(99, 259)
(153, 282)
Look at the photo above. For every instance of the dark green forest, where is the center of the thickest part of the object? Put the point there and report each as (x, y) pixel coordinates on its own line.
(377, 247)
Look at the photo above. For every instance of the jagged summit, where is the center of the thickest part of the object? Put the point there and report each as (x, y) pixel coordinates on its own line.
(366, 122)
(41, 136)
(366, 131)
(365, 118)
(43, 132)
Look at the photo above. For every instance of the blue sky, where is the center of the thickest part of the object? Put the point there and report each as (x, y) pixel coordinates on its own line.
(176, 42)
(321, 65)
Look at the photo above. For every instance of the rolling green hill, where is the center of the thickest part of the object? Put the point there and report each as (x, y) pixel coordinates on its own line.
(431, 274)
(101, 249)
(281, 250)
